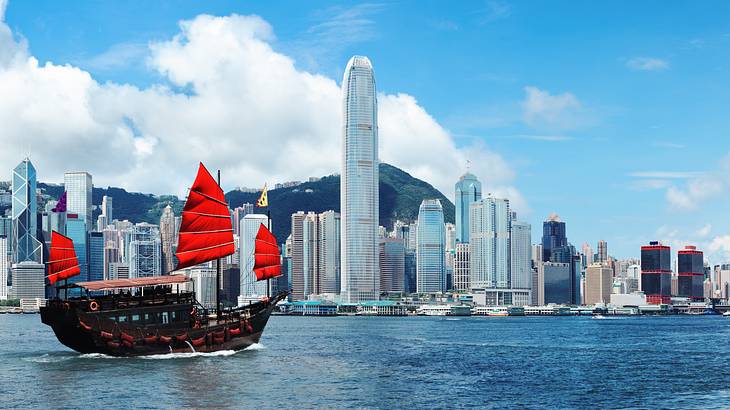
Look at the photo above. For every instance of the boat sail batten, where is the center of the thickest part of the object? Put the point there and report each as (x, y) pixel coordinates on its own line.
(62, 261)
(267, 257)
(206, 232)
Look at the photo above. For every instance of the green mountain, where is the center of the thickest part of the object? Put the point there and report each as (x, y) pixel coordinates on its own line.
(400, 196)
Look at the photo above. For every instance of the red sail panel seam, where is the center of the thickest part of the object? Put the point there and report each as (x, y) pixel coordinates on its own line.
(208, 215)
(61, 260)
(205, 249)
(198, 232)
(61, 271)
(211, 198)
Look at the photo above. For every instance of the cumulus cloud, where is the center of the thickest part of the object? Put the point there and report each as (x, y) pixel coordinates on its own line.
(228, 100)
(543, 110)
(720, 246)
(647, 64)
(701, 188)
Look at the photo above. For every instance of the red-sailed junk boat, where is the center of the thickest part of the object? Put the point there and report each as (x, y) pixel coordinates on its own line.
(154, 319)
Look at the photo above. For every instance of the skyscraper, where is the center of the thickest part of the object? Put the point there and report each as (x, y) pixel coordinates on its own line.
(303, 254)
(520, 248)
(167, 239)
(328, 252)
(556, 249)
(461, 267)
(359, 183)
(392, 265)
(489, 250)
(78, 201)
(656, 273)
(4, 267)
(588, 253)
(250, 287)
(553, 235)
(431, 248)
(599, 283)
(106, 209)
(691, 273)
(145, 253)
(25, 244)
(76, 230)
(468, 190)
(602, 252)
(96, 256)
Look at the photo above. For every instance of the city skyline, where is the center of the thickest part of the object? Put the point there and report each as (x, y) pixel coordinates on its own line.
(599, 201)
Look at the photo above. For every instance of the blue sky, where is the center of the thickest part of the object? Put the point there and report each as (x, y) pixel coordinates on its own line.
(614, 115)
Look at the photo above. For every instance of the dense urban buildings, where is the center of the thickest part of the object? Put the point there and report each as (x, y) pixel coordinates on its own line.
(359, 183)
(431, 248)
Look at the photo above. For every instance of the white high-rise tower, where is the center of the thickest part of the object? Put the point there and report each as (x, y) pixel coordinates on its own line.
(359, 183)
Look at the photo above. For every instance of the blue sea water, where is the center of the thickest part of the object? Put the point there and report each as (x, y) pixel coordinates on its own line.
(371, 362)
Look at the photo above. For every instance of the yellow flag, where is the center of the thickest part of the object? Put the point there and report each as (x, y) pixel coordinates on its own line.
(263, 199)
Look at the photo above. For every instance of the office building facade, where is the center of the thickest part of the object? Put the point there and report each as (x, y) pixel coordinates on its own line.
(359, 183)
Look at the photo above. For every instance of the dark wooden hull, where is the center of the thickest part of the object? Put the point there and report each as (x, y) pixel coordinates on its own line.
(88, 331)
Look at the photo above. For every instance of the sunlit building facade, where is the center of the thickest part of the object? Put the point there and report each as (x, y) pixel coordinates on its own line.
(359, 183)
(431, 248)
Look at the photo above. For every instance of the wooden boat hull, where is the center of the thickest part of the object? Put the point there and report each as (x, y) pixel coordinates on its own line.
(93, 332)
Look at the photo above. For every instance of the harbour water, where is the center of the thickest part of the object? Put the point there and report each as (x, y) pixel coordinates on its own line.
(383, 362)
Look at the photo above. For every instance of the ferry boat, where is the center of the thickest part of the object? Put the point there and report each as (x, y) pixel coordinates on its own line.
(444, 310)
(146, 317)
(499, 311)
(726, 313)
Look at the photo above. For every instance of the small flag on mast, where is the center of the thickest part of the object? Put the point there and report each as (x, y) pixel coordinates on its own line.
(263, 199)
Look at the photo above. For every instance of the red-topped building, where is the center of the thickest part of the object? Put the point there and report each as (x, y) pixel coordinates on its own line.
(656, 273)
(691, 272)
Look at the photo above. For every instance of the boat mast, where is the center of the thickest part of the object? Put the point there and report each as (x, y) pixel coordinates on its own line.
(218, 275)
(268, 280)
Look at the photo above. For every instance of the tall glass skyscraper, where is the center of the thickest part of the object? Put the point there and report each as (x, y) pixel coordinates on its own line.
(145, 253)
(76, 230)
(431, 248)
(359, 183)
(468, 190)
(25, 244)
(167, 239)
(553, 236)
(78, 201)
(490, 245)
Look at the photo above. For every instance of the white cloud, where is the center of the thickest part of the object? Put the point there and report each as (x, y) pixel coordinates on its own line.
(542, 110)
(647, 64)
(720, 247)
(701, 188)
(704, 231)
(117, 56)
(665, 174)
(245, 109)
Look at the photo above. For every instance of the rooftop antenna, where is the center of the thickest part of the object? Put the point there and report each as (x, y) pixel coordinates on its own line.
(468, 165)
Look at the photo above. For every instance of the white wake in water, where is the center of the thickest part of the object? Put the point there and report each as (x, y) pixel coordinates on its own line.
(167, 356)
(55, 358)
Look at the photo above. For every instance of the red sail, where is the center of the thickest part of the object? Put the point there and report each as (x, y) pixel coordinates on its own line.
(62, 263)
(206, 233)
(267, 258)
